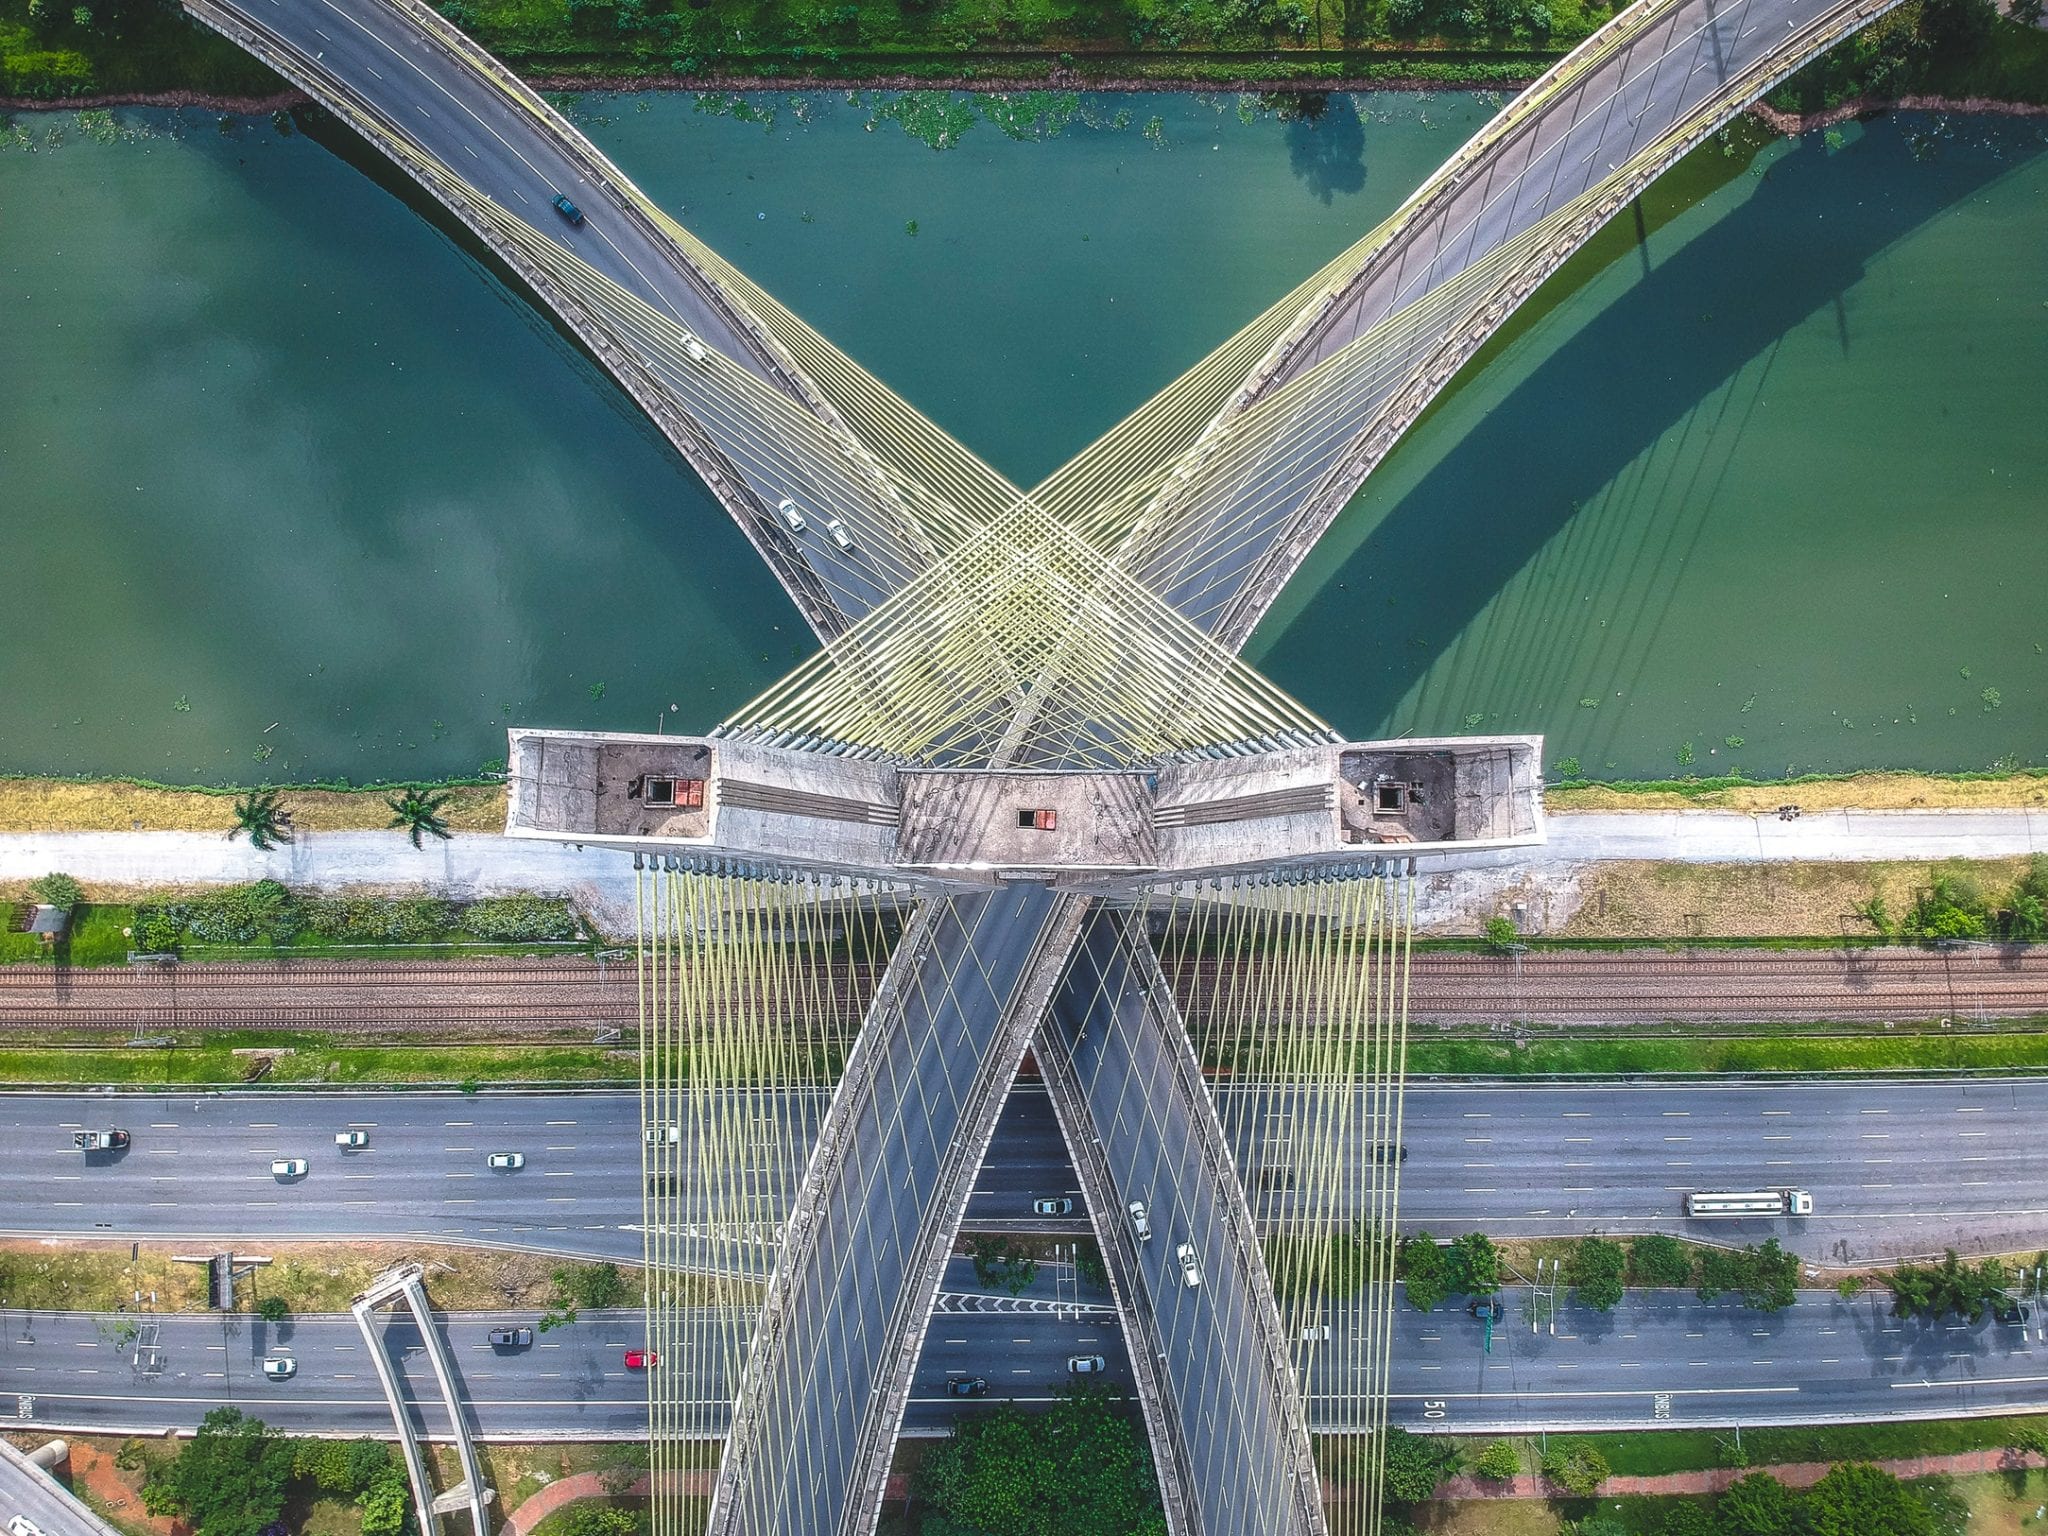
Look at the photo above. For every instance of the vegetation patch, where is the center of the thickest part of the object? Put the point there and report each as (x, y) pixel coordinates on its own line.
(32, 804)
(277, 1057)
(1079, 1469)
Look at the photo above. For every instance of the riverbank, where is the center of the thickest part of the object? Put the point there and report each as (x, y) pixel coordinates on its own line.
(1938, 53)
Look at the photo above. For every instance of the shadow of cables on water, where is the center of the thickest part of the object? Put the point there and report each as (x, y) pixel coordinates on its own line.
(1654, 359)
(1325, 142)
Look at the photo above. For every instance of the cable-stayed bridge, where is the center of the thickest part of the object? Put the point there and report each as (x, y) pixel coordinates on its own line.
(1029, 769)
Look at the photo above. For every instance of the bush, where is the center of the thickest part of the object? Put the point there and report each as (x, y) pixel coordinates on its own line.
(367, 920)
(1081, 1469)
(56, 890)
(520, 919)
(592, 1285)
(238, 914)
(1594, 1273)
(1577, 1468)
(1659, 1260)
(1687, 1519)
(273, 1309)
(1498, 1462)
(157, 931)
(1501, 935)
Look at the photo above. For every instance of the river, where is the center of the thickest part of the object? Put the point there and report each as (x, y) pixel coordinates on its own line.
(293, 488)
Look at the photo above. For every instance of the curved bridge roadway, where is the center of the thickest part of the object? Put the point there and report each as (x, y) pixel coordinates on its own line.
(476, 138)
(1446, 271)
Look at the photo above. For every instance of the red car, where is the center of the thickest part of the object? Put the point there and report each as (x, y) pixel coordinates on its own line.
(640, 1359)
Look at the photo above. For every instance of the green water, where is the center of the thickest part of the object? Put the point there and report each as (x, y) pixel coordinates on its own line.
(291, 486)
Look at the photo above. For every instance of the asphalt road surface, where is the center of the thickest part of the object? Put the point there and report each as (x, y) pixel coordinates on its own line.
(1895, 1168)
(1661, 1359)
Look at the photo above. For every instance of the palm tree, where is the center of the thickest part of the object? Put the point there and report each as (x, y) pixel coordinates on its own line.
(266, 822)
(419, 810)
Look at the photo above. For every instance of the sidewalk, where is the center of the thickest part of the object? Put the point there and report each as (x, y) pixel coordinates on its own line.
(1797, 1474)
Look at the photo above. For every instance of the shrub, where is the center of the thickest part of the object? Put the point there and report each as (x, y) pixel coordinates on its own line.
(370, 920)
(56, 890)
(238, 914)
(1500, 934)
(520, 919)
(1687, 1518)
(1576, 1468)
(1659, 1260)
(1498, 1462)
(273, 1309)
(157, 930)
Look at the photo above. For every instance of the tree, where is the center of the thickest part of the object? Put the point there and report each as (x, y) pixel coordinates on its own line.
(56, 890)
(419, 810)
(1498, 1462)
(1756, 1505)
(1766, 1278)
(1659, 1260)
(273, 1309)
(999, 1266)
(1417, 1465)
(1575, 1467)
(1500, 935)
(1427, 1270)
(1949, 1287)
(1594, 1273)
(1079, 1469)
(1857, 1499)
(1475, 1264)
(229, 1480)
(266, 822)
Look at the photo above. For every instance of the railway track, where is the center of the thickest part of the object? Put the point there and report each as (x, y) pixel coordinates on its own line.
(571, 997)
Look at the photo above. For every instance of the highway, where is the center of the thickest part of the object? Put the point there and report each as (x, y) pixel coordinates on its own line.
(1221, 1355)
(1660, 1359)
(1896, 1168)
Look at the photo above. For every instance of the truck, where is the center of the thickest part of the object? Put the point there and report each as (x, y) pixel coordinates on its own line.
(99, 1141)
(1754, 1202)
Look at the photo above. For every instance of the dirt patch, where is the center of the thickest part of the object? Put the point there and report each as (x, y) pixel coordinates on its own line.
(1680, 900)
(1861, 791)
(66, 805)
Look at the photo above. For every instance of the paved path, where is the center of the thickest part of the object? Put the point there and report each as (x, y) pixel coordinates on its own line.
(602, 880)
(1795, 1474)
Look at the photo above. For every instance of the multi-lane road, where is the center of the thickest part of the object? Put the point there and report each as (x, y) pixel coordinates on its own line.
(1660, 1359)
(1896, 1168)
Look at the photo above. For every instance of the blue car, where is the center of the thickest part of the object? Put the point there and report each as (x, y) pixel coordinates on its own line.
(569, 211)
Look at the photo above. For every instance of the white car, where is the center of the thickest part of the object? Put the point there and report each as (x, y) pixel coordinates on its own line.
(1086, 1365)
(280, 1367)
(288, 1168)
(21, 1525)
(792, 519)
(1190, 1267)
(695, 348)
(506, 1162)
(840, 536)
(1141, 1221)
(348, 1140)
(660, 1133)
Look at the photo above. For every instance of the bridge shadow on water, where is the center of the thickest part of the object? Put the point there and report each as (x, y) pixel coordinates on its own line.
(1672, 354)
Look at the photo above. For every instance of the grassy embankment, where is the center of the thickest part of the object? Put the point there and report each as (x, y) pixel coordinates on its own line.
(1654, 1453)
(58, 1276)
(50, 50)
(311, 1060)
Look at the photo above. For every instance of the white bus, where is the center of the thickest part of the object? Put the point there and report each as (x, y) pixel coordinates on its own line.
(1756, 1202)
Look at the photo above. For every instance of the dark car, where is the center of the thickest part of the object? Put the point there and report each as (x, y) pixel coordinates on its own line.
(569, 210)
(965, 1386)
(1489, 1306)
(1387, 1152)
(511, 1338)
(2008, 1310)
